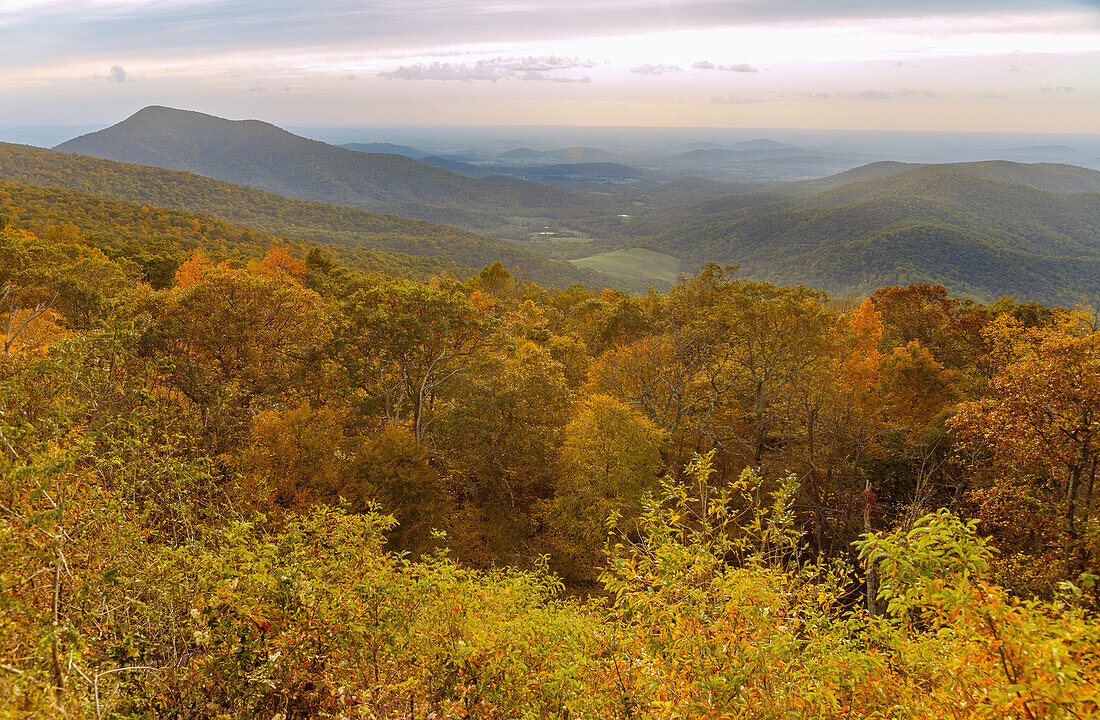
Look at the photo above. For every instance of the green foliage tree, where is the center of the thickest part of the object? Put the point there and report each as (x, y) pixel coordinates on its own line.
(611, 459)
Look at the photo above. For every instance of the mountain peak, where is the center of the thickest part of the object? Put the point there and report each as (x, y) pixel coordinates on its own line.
(264, 156)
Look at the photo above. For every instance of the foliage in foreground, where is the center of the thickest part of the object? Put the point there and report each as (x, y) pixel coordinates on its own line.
(710, 613)
(170, 460)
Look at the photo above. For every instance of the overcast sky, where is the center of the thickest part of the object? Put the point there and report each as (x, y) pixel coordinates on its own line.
(1000, 65)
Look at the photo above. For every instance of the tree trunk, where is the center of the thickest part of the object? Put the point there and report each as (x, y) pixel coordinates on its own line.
(872, 570)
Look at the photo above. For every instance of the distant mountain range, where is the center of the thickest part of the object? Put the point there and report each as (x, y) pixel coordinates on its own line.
(261, 155)
(387, 148)
(983, 229)
(755, 160)
(564, 155)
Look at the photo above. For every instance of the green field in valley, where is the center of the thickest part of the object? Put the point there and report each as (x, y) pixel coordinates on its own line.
(635, 263)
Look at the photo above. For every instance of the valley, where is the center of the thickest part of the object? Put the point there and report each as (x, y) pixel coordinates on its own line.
(983, 229)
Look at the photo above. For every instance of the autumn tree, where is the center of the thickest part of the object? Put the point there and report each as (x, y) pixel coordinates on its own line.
(405, 342)
(1040, 429)
(295, 456)
(611, 459)
(501, 444)
(763, 343)
(233, 337)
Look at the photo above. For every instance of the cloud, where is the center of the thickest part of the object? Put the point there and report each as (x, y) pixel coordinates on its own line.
(117, 74)
(738, 68)
(524, 68)
(734, 100)
(536, 77)
(57, 32)
(880, 94)
(648, 69)
(872, 95)
(1056, 88)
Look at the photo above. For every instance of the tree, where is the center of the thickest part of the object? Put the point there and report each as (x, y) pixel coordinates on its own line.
(763, 343)
(611, 459)
(296, 455)
(406, 342)
(1040, 428)
(27, 329)
(501, 444)
(233, 337)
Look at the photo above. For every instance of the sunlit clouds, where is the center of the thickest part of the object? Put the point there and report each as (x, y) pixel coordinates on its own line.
(933, 65)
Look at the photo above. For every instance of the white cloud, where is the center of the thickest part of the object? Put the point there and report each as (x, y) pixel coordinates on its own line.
(734, 100)
(117, 74)
(650, 69)
(514, 68)
(738, 68)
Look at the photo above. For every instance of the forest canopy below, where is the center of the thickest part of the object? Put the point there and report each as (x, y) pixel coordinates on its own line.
(259, 483)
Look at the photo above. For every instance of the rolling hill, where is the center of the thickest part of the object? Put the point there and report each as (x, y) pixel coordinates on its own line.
(387, 148)
(563, 155)
(754, 160)
(158, 239)
(261, 155)
(954, 224)
(1054, 177)
(277, 215)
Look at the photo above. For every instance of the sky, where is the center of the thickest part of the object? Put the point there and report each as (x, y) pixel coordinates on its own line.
(978, 65)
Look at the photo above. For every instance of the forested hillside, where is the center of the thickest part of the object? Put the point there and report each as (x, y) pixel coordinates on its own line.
(980, 237)
(261, 155)
(1054, 177)
(276, 215)
(158, 240)
(276, 487)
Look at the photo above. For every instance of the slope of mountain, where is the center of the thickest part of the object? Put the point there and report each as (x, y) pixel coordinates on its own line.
(755, 160)
(457, 166)
(1042, 153)
(568, 155)
(261, 155)
(158, 239)
(950, 224)
(1053, 177)
(387, 148)
(863, 173)
(275, 214)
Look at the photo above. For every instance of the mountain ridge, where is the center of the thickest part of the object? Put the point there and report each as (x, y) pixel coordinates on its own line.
(955, 224)
(264, 156)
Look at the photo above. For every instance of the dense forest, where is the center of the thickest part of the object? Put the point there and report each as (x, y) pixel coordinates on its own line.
(260, 483)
